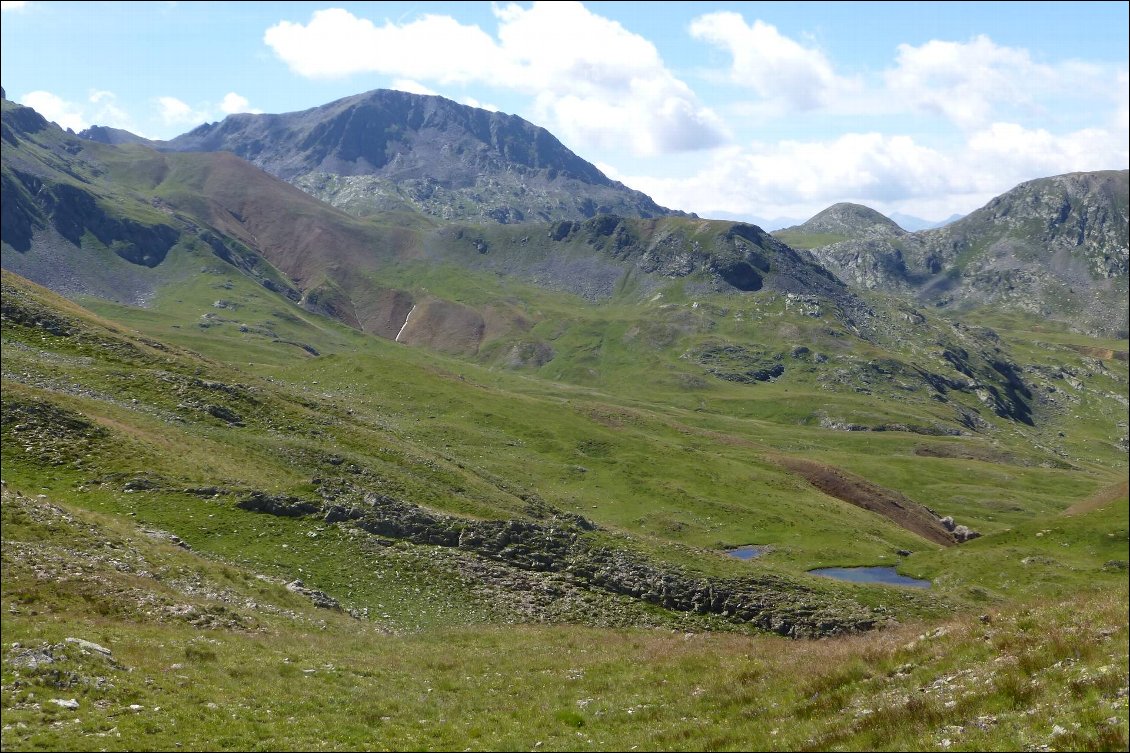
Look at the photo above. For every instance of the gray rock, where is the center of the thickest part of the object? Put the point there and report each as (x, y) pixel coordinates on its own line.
(88, 646)
(321, 599)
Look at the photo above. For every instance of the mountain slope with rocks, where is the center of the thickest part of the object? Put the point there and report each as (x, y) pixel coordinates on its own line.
(388, 149)
(280, 476)
(1054, 247)
(124, 223)
(88, 218)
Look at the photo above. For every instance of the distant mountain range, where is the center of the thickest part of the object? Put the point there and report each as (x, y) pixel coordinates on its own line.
(912, 223)
(388, 176)
(85, 217)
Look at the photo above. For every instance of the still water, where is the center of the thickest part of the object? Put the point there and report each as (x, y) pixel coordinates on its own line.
(885, 575)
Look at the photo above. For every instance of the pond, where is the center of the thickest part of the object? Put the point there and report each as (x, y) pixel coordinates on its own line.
(885, 575)
(748, 552)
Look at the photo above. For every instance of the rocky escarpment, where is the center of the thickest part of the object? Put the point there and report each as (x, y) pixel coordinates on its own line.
(75, 213)
(1055, 247)
(391, 150)
(964, 367)
(562, 544)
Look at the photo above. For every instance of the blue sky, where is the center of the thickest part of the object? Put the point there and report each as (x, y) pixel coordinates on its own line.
(754, 110)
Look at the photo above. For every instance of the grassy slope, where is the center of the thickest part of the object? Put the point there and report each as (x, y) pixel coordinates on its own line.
(466, 438)
(806, 241)
(633, 429)
(212, 656)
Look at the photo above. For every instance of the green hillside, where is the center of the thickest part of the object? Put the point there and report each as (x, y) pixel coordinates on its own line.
(298, 479)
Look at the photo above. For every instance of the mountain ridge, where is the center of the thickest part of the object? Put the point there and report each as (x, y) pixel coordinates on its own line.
(387, 149)
(1054, 246)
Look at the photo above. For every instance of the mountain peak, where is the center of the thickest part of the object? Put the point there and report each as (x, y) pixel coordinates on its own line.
(852, 220)
(114, 136)
(385, 149)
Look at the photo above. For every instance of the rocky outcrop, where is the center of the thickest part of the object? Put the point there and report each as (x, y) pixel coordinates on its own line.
(320, 599)
(560, 545)
(74, 212)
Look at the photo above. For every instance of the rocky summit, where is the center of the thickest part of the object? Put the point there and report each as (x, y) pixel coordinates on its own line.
(849, 221)
(1054, 247)
(391, 150)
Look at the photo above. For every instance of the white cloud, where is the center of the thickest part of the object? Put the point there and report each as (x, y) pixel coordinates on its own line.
(472, 102)
(887, 172)
(977, 82)
(611, 90)
(233, 103)
(6, 5)
(1122, 111)
(967, 81)
(775, 66)
(971, 84)
(336, 43)
(108, 113)
(412, 87)
(173, 111)
(56, 109)
(101, 108)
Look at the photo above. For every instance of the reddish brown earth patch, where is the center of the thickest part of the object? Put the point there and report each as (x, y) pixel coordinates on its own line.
(444, 326)
(858, 491)
(383, 312)
(1103, 354)
(1101, 498)
(961, 452)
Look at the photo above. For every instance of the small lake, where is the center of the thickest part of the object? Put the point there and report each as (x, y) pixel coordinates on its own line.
(748, 552)
(885, 575)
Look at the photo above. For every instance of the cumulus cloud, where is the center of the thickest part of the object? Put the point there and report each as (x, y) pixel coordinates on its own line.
(975, 83)
(56, 109)
(776, 67)
(100, 108)
(967, 81)
(613, 90)
(1122, 111)
(173, 111)
(336, 43)
(107, 112)
(233, 103)
(888, 172)
(412, 87)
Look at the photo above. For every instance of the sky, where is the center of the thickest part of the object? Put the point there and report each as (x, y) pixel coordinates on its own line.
(766, 112)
